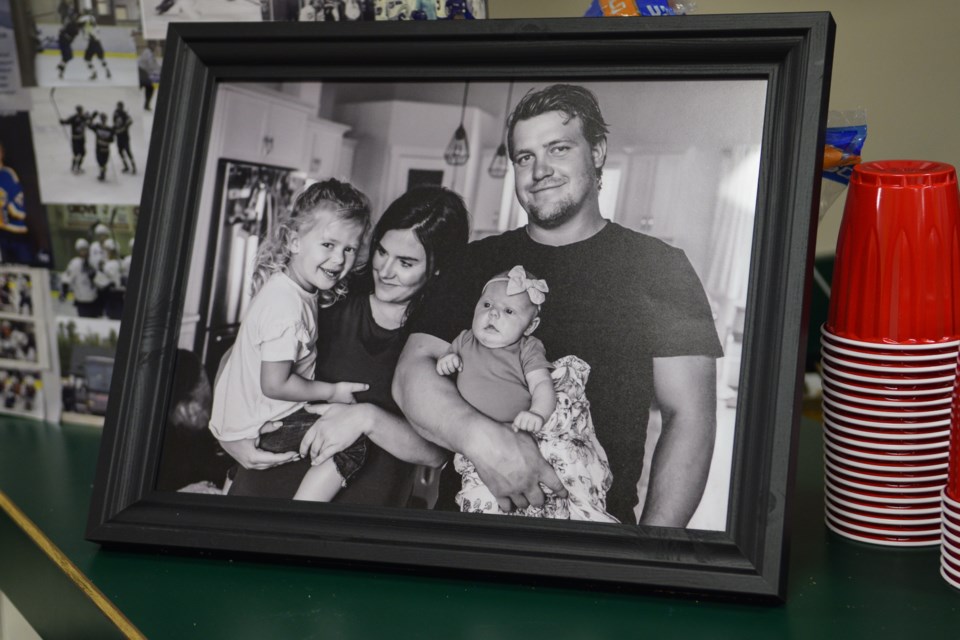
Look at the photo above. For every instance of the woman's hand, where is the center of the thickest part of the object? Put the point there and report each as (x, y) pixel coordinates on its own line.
(246, 453)
(338, 427)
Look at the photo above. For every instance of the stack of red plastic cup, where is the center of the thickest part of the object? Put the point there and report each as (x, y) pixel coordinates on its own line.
(950, 527)
(889, 353)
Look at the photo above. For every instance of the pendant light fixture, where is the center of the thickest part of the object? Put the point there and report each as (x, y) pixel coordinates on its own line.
(499, 164)
(458, 151)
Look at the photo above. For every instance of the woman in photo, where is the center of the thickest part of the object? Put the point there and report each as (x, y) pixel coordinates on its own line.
(360, 339)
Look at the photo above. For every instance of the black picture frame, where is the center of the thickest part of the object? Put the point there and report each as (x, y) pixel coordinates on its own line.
(792, 52)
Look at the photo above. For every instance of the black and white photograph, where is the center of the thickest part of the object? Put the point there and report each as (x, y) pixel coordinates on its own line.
(94, 248)
(86, 348)
(680, 188)
(515, 317)
(17, 293)
(21, 393)
(24, 233)
(91, 145)
(82, 43)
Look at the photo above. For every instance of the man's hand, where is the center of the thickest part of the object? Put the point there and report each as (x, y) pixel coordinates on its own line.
(246, 453)
(509, 463)
(336, 428)
(449, 364)
(511, 466)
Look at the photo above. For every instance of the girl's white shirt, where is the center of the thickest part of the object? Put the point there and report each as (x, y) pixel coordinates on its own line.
(280, 325)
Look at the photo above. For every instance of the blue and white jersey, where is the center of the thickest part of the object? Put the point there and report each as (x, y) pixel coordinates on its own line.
(13, 215)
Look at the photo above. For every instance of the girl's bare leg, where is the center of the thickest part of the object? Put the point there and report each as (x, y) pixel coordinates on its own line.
(320, 484)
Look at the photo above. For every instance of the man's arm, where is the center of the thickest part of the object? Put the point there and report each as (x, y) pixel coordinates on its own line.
(686, 390)
(509, 463)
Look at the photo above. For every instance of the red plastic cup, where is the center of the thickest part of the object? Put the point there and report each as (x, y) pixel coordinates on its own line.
(842, 491)
(896, 252)
(884, 539)
(886, 486)
(952, 489)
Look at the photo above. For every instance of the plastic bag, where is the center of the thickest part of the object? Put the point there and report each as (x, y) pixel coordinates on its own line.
(628, 8)
(843, 144)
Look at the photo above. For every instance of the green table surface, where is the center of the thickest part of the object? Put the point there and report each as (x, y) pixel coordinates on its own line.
(837, 588)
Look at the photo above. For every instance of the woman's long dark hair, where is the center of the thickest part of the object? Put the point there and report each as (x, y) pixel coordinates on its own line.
(439, 220)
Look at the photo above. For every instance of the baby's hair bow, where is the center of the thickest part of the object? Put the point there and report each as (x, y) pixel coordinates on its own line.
(518, 282)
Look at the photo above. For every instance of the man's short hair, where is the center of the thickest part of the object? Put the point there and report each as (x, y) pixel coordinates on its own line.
(574, 100)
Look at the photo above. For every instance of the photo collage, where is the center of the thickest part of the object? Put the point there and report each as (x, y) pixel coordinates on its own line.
(76, 114)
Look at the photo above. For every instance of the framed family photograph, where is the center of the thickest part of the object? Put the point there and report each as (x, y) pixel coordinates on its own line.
(516, 297)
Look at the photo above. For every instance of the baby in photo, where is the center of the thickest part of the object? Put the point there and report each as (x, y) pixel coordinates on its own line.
(503, 372)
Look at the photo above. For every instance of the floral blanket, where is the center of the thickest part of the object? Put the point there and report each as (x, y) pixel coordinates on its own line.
(569, 443)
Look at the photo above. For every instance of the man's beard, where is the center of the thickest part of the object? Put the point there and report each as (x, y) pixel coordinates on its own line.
(563, 211)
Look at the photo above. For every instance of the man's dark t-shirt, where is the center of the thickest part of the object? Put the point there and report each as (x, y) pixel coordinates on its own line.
(617, 300)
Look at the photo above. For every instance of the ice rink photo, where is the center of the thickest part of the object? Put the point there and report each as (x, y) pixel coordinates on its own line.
(78, 52)
(91, 145)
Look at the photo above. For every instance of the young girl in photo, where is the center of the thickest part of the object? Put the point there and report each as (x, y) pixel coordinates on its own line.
(268, 375)
(503, 372)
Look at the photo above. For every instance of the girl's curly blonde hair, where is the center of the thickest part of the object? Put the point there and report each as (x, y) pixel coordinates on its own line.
(349, 204)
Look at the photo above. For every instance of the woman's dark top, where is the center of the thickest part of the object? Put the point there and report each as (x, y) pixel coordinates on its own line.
(351, 348)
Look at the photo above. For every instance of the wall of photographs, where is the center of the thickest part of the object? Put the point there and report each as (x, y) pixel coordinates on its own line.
(78, 84)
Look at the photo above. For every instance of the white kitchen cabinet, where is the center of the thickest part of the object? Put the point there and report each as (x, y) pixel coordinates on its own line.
(264, 128)
(323, 149)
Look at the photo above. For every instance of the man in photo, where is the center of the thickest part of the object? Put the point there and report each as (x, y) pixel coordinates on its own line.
(628, 304)
(98, 251)
(109, 281)
(79, 278)
(147, 67)
(94, 45)
(125, 265)
(67, 34)
(14, 244)
(121, 124)
(105, 136)
(78, 137)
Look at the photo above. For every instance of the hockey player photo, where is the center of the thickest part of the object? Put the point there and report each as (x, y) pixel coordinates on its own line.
(94, 248)
(24, 233)
(81, 47)
(16, 293)
(89, 144)
(21, 393)
(18, 343)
